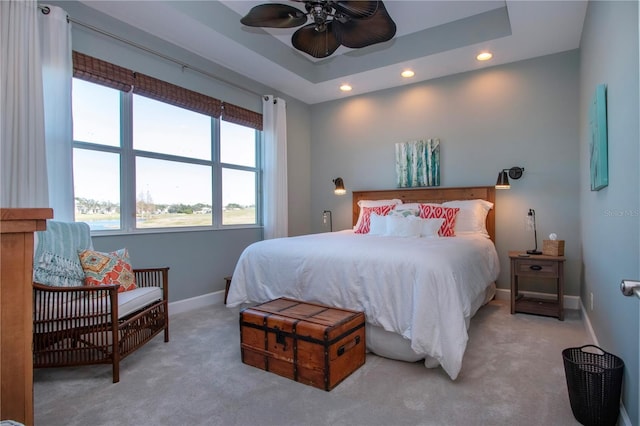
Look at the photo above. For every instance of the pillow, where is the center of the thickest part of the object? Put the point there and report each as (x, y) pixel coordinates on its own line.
(408, 206)
(108, 268)
(404, 212)
(374, 203)
(366, 217)
(472, 217)
(429, 211)
(398, 226)
(378, 224)
(430, 227)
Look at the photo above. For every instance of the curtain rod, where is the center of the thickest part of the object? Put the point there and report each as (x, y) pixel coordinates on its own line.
(45, 10)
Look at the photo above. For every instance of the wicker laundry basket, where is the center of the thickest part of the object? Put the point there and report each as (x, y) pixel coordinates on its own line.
(594, 381)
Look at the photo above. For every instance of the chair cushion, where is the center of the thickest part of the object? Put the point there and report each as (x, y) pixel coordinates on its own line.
(55, 260)
(131, 301)
(128, 302)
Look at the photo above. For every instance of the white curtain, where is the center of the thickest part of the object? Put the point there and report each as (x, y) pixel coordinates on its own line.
(276, 205)
(57, 72)
(22, 155)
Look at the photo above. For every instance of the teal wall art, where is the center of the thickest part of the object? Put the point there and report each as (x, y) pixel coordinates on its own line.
(599, 167)
(418, 163)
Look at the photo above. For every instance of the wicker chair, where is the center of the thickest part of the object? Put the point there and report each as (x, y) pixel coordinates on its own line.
(81, 325)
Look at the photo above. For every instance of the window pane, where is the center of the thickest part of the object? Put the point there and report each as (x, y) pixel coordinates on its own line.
(96, 113)
(238, 197)
(237, 144)
(167, 129)
(171, 194)
(96, 177)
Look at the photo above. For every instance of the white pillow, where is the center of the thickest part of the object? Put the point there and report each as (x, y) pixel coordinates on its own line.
(398, 226)
(430, 227)
(377, 224)
(472, 217)
(374, 203)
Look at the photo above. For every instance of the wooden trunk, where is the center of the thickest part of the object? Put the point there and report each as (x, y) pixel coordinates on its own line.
(310, 343)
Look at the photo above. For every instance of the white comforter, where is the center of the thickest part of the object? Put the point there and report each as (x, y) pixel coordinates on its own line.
(421, 288)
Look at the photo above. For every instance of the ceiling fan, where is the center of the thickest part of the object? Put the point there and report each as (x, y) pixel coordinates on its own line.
(354, 24)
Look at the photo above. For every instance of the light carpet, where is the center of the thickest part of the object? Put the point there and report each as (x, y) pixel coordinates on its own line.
(512, 374)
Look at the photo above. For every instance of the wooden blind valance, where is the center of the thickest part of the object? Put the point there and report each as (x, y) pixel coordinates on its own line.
(238, 115)
(107, 74)
(102, 72)
(176, 95)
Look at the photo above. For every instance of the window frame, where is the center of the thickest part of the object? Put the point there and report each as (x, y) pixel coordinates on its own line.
(128, 156)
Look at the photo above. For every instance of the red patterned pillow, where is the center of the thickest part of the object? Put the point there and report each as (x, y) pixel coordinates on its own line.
(365, 224)
(430, 211)
(108, 268)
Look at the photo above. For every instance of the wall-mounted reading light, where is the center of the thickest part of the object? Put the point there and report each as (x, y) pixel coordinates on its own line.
(339, 186)
(504, 175)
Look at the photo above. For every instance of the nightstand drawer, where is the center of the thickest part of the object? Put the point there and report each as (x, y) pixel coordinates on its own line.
(536, 267)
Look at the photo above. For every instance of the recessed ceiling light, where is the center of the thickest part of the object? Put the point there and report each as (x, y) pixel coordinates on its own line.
(484, 56)
(407, 73)
(346, 87)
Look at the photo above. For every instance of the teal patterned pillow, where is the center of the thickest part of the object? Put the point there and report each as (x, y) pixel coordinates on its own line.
(404, 213)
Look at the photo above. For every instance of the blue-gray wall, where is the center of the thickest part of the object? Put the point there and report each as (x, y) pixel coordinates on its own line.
(610, 217)
(198, 260)
(521, 114)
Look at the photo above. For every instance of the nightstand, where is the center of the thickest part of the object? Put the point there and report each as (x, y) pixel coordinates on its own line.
(537, 267)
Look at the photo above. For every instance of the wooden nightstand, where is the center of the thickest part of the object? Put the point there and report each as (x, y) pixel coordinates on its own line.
(537, 267)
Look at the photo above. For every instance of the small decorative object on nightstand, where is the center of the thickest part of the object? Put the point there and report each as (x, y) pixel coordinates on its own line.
(537, 267)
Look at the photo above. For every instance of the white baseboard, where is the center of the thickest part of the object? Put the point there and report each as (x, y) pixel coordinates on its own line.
(185, 305)
(570, 302)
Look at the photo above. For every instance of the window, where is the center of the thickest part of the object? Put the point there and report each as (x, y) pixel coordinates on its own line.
(140, 163)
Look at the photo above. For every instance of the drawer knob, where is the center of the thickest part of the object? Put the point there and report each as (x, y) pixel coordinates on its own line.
(535, 267)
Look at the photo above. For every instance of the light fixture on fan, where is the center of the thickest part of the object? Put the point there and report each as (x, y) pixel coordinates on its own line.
(353, 24)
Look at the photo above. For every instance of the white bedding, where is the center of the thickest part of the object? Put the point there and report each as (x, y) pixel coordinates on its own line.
(421, 288)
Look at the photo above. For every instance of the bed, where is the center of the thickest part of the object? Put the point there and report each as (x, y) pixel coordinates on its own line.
(418, 294)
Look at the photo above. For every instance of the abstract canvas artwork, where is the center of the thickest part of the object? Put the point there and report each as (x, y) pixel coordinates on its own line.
(418, 163)
(599, 167)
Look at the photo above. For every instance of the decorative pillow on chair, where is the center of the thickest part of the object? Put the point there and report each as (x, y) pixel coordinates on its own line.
(447, 229)
(108, 268)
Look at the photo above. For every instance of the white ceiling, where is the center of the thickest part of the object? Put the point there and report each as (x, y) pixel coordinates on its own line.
(433, 38)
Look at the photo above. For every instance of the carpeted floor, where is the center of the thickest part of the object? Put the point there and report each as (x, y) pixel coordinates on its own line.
(512, 374)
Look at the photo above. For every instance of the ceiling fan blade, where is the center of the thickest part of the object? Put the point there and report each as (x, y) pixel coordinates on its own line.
(356, 8)
(318, 44)
(357, 33)
(274, 15)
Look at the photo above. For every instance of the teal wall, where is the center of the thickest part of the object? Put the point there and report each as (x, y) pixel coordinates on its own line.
(610, 217)
(520, 114)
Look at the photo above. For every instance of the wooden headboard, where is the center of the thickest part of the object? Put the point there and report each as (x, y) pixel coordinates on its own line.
(433, 195)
